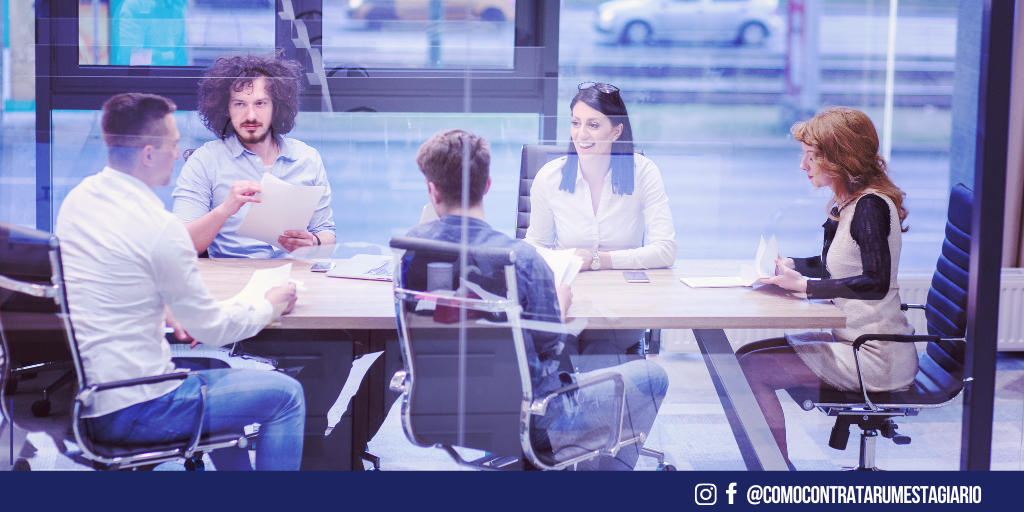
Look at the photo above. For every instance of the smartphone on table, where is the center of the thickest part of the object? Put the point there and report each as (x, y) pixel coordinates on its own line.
(322, 266)
(636, 277)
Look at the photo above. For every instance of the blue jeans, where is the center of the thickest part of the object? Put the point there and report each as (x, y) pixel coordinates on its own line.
(581, 421)
(234, 399)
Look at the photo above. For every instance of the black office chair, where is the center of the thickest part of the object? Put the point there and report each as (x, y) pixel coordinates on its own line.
(491, 408)
(35, 350)
(33, 300)
(537, 156)
(940, 377)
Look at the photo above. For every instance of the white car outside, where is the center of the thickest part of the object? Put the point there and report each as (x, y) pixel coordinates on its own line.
(644, 21)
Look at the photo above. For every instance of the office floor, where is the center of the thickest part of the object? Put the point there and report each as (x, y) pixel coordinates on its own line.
(693, 431)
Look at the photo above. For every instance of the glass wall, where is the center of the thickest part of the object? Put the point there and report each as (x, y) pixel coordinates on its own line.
(732, 89)
(419, 34)
(377, 189)
(172, 32)
(712, 88)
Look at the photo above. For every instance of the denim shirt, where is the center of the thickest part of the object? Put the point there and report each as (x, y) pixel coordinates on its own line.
(206, 178)
(536, 292)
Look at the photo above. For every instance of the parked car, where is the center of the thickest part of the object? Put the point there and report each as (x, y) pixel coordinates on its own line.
(643, 21)
(417, 10)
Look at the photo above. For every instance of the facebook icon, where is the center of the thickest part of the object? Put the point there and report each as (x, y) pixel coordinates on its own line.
(731, 491)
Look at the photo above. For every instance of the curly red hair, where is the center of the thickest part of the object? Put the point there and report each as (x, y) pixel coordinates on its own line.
(846, 144)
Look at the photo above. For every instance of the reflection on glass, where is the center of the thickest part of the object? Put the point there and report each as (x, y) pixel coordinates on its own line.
(741, 95)
(419, 33)
(712, 105)
(743, 21)
(377, 191)
(171, 32)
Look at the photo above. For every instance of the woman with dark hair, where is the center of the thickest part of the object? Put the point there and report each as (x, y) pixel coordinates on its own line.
(599, 200)
(856, 270)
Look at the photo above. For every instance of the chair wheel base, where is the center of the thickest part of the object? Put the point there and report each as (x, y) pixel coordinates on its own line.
(858, 468)
(195, 464)
(666, 467)
(41, 409)
(21, 465)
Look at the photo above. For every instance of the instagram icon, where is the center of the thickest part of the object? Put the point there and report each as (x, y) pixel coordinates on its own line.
(705, 494)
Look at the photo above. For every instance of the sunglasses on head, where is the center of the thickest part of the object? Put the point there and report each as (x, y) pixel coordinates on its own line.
(605, 88)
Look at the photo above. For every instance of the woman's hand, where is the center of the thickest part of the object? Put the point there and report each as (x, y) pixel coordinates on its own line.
(788, 278)
(588, 259)
(782, 263)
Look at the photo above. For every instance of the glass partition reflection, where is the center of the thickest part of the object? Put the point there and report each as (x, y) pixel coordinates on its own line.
(712, 88)
(377, 189)
(449, 34)
(711, 93)
(171, 32)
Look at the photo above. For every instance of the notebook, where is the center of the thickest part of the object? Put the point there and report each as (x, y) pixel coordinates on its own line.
(364, 266)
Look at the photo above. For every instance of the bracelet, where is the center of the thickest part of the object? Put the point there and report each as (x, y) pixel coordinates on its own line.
(317, 238)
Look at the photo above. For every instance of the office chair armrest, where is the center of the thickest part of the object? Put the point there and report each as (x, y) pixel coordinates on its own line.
(539, 406)
(615, 442)
(905, 307)
(85, 394)
(898, 338)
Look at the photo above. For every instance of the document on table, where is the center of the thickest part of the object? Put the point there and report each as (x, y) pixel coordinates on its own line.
(261, 282)
(565, 264)
(282, 207)
(762, 266)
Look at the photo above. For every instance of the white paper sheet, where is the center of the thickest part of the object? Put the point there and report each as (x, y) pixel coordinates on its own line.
(261, 282)
(565, 264)
(355, 377)
(763, 266)
(283, 207)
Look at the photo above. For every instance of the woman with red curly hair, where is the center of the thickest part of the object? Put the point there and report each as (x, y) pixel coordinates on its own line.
(856, 270)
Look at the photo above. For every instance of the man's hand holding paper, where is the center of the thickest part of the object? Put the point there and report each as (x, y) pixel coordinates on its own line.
(280, 215)
(293, 239)
(242, 191)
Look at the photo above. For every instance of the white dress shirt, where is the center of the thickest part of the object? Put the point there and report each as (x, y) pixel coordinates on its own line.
(563, 220)
(125, 257)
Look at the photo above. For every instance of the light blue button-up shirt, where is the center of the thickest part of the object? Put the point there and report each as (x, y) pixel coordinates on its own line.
(206, 178)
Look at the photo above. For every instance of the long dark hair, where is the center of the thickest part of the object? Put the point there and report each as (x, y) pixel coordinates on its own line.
(234, 74)
(623, 166)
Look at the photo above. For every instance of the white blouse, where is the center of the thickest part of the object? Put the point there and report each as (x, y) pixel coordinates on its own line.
(563, 220)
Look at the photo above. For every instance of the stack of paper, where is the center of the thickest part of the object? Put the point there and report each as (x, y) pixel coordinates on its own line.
(763, 266)
(282, 207)
(565, 264)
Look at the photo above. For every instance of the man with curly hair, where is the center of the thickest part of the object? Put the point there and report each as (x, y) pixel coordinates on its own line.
(250, 103)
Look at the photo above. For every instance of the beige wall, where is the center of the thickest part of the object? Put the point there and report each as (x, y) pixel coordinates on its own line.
(23, 50)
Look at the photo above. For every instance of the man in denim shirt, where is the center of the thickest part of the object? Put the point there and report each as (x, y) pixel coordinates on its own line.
(250, 103)
(579, 422)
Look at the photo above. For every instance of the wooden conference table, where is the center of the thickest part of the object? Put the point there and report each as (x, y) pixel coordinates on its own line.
(603, 298)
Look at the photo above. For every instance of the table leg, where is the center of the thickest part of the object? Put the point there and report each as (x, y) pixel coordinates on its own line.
(758, 447)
